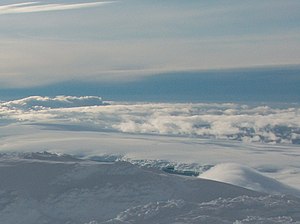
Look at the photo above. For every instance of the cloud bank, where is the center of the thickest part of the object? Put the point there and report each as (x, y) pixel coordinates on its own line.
(30, 7)
(40, 103)
(201, 120)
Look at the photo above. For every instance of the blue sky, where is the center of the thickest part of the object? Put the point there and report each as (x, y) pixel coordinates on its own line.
(48, 42)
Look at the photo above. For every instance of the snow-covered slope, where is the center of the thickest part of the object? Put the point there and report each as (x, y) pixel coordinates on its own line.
(238, 210)
(244, 176)
(58, 189)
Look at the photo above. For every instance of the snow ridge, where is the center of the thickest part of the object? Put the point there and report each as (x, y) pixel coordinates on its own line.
(247, 177)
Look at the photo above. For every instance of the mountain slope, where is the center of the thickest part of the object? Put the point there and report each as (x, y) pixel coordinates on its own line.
(47, 188)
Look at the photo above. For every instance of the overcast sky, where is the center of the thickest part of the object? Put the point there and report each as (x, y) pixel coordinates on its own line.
(46, 42)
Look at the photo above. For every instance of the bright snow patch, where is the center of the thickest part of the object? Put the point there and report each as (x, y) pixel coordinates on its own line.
(243, 176)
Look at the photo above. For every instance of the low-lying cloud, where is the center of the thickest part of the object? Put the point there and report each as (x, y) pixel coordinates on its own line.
(40, 103)
(202, 120)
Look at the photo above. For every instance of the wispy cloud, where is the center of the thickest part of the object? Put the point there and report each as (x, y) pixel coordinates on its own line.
(140, 38)
(35, 62)
(30, 7)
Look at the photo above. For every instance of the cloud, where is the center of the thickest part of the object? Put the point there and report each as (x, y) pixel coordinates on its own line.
(140, 37)
(199, 120)
(30, 7)
(35, 62)
(38, 102)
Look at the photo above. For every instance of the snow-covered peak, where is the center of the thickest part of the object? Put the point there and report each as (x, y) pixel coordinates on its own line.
(247, 177)
(36, 191)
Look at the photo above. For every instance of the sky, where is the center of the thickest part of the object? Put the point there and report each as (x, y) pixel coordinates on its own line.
(48, 42)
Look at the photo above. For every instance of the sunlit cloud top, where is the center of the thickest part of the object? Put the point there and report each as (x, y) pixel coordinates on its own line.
(205, 120)
(29, 7)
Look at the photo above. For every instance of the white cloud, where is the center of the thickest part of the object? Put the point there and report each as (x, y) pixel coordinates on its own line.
(139, 37)
(38, 102)
(35, 62)
(219, 121)
(30, 7)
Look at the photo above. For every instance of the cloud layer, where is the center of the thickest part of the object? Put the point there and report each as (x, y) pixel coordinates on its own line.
(30, 7)
(134, 38)
(221, 121)
(40, 103)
